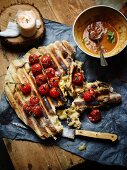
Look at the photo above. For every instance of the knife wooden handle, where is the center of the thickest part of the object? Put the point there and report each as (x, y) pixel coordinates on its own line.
(98, 135)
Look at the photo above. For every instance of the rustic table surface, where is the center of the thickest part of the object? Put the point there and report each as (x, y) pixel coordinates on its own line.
(27, 155)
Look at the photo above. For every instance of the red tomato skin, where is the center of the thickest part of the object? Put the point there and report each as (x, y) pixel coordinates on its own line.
(27, 108)
(54, 82)
(89, 95)
(40, 79)
(43, 89)
(94, 116)
(46, 60)
(36, 69)
(78, 78)
(50, 72)
(54, 92)
(34, 100)
(37, 110)
(25, 88)
(33, 59)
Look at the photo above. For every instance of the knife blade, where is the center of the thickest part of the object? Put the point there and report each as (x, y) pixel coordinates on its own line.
(71, 133)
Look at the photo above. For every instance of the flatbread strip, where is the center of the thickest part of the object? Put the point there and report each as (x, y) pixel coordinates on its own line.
(106, 96)
(19, 71)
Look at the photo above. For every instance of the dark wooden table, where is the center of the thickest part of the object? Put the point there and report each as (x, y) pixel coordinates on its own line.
(27, 155)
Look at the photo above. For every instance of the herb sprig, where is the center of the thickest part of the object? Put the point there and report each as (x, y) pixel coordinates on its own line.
(110, 36)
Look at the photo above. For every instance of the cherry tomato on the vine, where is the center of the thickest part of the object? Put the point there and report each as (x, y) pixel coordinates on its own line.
(46, 60)
(94, 116)
(36, 69)
(43, 89)
(78, 78)
(25, 88)
(40, 79)
(50, 72)
(33, 59)
(54, 81)
(54, 92)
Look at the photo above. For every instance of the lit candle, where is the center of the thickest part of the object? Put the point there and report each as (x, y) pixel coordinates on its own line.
(27, 23)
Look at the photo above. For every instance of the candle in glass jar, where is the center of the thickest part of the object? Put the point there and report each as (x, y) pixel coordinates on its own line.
(27, 23)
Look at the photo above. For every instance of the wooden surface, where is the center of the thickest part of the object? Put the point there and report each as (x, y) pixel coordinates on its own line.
(28, 155)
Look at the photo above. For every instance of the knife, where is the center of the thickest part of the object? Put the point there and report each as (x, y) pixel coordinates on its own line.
(71, 133)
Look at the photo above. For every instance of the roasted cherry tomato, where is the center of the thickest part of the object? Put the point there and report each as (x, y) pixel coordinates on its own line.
(43, 89)
(33, 59)
(46, 60)
(27, 108)
(36, 69)
(92, 91)
(89, 95)
(37, 110)
(54, 81)
(34, 100)
(78, 78)
(50, 72)
(40, 79)
(94, 116)
(25, 88)
(54, 92)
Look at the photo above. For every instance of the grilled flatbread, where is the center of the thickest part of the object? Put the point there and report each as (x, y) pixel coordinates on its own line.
(46, 122)
(19, 72)
(105, 96)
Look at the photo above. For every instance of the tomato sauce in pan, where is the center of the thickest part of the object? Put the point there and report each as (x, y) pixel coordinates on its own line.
(109, 37)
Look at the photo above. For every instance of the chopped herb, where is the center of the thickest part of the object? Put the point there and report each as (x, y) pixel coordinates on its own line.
(110, 36)
(86, 41)
(82, 147)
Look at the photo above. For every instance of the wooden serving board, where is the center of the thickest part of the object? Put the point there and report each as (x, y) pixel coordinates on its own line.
(8, 14)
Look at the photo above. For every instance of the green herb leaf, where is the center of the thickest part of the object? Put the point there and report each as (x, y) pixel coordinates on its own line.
(82, 147)
(110, 36)
(86, 41)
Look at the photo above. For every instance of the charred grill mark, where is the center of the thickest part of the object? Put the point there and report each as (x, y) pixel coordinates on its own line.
(68, 47)
(62, 49)
(104, 91)
(17, 107)
(65, 56)
(44, 112)
(59, 59)
(35, 125)
(54, 101)
(54, 65)
(17, 98)
(54, 61)
(50, 126)
(103, 84)
(94, 86)
(61, 97)
(64, 53)
(30, 123)
(45, 131)
(47, 104)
